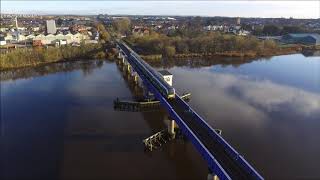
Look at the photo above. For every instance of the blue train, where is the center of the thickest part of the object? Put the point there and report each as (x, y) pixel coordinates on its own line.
(154, 77)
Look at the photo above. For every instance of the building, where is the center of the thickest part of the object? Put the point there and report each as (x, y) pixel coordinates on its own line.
(140, 31)
(16, 21)
(2, 41)
(302, 38)
(167, 76)
(37, 43)
(51, 39)
(51, 27)
(213, 28)
(238, 21)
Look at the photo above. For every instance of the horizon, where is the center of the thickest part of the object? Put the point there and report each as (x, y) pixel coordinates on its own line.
(255, 9)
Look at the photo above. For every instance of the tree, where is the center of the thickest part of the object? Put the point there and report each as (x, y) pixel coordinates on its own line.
(122, 25)
(100, 27)
(271, 30)
(270, 44)
(182, 46)
(169, 51)
(105, 36)
(59, 22)
(293, 29)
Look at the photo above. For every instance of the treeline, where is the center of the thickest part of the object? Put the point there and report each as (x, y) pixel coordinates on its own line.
(275, 30)
(40, 55)
(211, 43)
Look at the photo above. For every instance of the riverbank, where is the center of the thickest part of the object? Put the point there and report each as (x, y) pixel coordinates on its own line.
(32, 57)
(249, 54)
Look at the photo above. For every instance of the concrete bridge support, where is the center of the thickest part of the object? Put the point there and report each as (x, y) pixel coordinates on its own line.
(147, 94)
(140, 82)
(212, 175)
(172, 126)
(128, 68)
(135, 78)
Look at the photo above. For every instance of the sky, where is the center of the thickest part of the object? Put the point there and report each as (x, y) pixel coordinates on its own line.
(295, 9)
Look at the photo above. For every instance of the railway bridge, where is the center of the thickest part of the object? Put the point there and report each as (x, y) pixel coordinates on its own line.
(222, 159)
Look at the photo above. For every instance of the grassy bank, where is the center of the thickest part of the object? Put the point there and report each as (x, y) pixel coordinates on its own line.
(26, 57)
(205, 45)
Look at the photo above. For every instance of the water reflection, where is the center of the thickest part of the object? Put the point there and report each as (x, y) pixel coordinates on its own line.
(31, 72)
(259, 116)
(206, 62)
(310, 53)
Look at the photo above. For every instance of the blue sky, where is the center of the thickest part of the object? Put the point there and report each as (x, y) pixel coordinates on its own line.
(296, 9)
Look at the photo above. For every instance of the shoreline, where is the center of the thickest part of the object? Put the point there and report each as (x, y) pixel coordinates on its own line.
(47, 63)
(35, 57)
(158, 57)
(222, 54)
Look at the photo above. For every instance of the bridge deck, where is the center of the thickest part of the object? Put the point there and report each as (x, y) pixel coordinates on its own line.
(215, 148)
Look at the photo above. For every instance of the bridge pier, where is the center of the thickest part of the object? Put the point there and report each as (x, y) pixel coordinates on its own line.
(135, 78)
(172, 126)
(140, 82)
(147, 94)
(128, 67)
(212, 175)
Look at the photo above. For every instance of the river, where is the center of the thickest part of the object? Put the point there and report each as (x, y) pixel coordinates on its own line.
(58, 121)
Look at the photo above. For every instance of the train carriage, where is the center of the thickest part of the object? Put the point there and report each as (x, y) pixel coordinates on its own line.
(154, 77)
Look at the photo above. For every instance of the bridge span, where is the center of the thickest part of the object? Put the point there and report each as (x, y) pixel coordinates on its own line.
(223, 160)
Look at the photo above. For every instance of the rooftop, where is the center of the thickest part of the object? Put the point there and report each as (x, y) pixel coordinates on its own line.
(165, 72)
(300, 35)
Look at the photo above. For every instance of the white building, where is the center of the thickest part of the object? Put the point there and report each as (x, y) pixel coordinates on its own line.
(51, 27)
(2, 41)
(167, 76)
(214, 28)
(62, 39)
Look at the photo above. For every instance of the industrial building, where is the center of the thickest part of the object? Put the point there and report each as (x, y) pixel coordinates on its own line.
(302, 38)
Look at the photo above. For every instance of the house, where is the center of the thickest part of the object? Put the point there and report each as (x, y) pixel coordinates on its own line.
(20, 37)
(302, 38)
(30, 37)
(2, 41)
(9, 37)
(60, 42)
(37, 42)
(140, 31)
